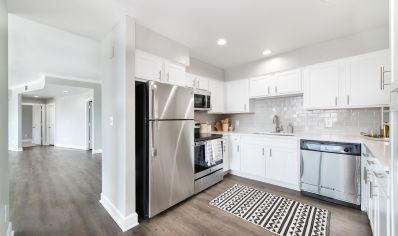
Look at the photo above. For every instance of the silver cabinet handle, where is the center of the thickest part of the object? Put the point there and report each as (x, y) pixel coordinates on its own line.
(160, 75)
(268, 90)
(263, 151)
(244, 107)
(168, 76)
(237, 148)
(276, 89)
(270, 152)
(335, 100)
(370, 189)
(348, 99)
(383, 71)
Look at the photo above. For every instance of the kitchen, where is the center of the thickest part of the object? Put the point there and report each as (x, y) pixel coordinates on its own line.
(217, 118)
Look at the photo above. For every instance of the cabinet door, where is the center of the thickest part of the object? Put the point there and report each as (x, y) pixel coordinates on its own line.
(237, 96)
(288, 82)
(202, 83)
(226, 153)
(282, 165)
(384, 214)
(234, 153)
(216, 88)
(174, 74)
(253, 157)
(260, 87)
(364, 80)
(190, 80)
(148, 67)
(321, 85)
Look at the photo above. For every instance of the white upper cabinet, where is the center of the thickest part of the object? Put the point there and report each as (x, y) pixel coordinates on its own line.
(174, 74)
(260, 86)
(321, 85)
(202, 83)
(216, 87)
(365, 81)
(237, 96)
(147, 66)
(190, 80)
(288, 82)
(154, 68)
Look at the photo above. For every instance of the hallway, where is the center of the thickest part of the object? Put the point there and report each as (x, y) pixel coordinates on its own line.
(56, 191)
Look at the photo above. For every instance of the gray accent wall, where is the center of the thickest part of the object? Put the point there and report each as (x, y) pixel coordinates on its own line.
(290, 109)
(4, 189)
(360, 43)
(26, 122)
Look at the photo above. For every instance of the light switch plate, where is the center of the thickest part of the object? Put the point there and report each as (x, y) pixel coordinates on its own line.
(328, 123)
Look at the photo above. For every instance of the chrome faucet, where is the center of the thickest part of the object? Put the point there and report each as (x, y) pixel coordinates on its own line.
(275, 120)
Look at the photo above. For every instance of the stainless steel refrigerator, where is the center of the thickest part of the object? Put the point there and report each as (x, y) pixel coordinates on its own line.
(164, 146)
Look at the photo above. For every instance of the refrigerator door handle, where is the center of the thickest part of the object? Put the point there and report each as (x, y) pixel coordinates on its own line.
(153, 146)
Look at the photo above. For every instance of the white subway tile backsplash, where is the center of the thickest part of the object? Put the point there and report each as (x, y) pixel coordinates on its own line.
(290, 109)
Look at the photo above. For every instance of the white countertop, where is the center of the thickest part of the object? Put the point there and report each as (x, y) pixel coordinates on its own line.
(380, 149)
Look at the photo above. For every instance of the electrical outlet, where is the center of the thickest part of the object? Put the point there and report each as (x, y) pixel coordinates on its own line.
(236, 122)
(328, 123)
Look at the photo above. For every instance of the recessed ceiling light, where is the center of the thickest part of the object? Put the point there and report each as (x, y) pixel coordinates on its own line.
(36, 96)
(221, 42)
(267, 52)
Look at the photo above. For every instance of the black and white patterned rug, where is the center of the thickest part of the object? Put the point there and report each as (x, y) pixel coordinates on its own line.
(279, 215)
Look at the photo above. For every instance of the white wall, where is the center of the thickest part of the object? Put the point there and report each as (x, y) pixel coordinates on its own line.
(157, 44)
(4, 190)
(118, 126)
(27, 122)
(14, 122)
(36, 48)
(198, 67)
(70, 120)
(356, 44)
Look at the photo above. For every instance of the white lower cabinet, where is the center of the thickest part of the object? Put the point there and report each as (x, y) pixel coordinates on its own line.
(253, 156)
(226, 153)
(234, 152)
(282, 164)
(269, 159)
(377, 197)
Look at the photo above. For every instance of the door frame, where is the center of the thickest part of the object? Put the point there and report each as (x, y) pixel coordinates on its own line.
(47, 120)
(89, 143)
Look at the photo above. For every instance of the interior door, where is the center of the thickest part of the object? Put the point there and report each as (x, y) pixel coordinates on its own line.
(36, 124)
(50, 124)
(171, 163)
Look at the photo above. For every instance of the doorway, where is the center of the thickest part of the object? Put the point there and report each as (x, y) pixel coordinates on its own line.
(50, 120)
(32, 125)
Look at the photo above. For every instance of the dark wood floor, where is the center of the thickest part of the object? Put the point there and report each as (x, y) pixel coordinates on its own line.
(55, 191)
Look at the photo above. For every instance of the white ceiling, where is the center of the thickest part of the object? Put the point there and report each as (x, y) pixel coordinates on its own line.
(53, 91)
(250, 26)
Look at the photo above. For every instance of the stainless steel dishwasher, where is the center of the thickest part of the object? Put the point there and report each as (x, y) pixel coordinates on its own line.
(331, 171)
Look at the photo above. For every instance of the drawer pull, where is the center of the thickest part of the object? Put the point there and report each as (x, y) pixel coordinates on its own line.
(378, 175)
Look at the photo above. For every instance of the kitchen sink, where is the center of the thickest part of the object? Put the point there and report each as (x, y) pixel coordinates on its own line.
(275, 133)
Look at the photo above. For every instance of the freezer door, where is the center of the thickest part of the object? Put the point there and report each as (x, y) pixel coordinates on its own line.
(171, 167)
(340, 177)
(170, 102)
(310, 172)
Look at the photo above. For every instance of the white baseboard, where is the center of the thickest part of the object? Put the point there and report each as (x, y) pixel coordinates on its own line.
(266, 180)
(9, 230)
(26, 140)
(125, 222)
(97, 151)
(70, 146)
(15, 149)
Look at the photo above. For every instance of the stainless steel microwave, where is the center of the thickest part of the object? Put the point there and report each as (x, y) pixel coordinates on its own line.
(202, 100)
